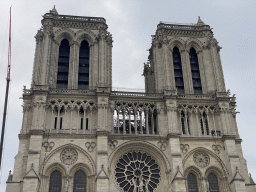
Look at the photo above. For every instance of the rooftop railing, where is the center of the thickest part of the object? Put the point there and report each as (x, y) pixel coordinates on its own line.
(183, 26)
(75, 18)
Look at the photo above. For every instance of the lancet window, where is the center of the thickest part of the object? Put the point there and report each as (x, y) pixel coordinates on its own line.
(55, 181)
(83, 72)
(71, 115)
(185, 122)
(135, 118)
(178, 70)
(204, 123)
(192, 183)
(213, 183)
(197, 86)
(79, 181)
(63, 64)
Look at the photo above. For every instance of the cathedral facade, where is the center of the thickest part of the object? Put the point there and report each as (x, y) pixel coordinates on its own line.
(78, 135)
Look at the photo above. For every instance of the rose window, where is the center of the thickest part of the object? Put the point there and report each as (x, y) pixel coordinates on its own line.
(201, 159)
(137, 172)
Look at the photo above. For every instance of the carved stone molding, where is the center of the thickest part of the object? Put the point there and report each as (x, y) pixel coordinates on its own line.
(216, 148)
(90, 146)
(162, 145)
(201, 159)
(69, 156)
(48, 146)
(184, 148)
(112, 144)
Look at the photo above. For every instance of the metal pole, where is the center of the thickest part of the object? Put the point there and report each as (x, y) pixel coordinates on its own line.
(4, 119)
(6, 94)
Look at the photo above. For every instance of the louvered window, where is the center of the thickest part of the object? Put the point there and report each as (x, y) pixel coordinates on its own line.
(83, 73)
(79, 182)
(192, 183)
(55, 181)
(197, 86)
(178, 70)
(63, 64)
(213, 183)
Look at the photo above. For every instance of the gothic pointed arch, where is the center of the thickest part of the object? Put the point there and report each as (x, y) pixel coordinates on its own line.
(194, 176)
(64, 33)
(195, 43)
(177, 42)
(178, 72)
(144, 154)
(83, 156)
(86, 34)
(55, 181)
(212, 159)
(63, 64)
(84, 65)
(195, 71)
(216, 179)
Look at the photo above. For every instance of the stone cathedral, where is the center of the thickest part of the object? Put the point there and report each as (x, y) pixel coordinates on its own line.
(78, 135)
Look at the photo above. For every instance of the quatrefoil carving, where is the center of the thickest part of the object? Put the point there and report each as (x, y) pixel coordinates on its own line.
(216, 148)
(48, 145)
(162, 145)
(184, 148)
(90, 146)
(112, 144)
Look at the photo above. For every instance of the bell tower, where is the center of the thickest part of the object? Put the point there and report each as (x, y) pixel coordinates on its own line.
(184, 58)
(72, 53)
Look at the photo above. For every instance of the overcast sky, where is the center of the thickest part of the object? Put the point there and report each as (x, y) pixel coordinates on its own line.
(132, 23)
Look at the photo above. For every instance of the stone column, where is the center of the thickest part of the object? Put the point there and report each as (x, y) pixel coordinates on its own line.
(168, 84)
(202, 72)
(71, 66)
(75, 64)
(46, 46)
(237, 182)
(218, 73)
(186, 70)
(172, 116)
(177, 177)
(102, 179)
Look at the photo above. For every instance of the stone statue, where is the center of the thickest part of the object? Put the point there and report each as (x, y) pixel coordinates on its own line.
(141, 184)
(146, 185)
(134, 184)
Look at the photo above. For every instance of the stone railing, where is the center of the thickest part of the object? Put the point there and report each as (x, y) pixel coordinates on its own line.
(71, 91)
(136, 94)
(75, 18)
(196, 96)
(72, 131)
(183, 27)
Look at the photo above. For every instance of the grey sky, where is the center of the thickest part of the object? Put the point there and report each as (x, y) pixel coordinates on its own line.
(132, 23)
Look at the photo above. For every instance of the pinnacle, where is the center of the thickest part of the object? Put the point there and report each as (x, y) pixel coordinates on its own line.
(200, 22)
(54, 11)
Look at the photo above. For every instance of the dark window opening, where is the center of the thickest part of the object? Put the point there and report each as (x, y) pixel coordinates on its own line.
(86, 124)
(82, 120)
(55, 123)
(192, 183)
(213, 183)
(202, 126)
(79, 182)
(206, 123)
(188, 124)
(178, 70)
(61, 123)
(63, 64)
(197, 86)
(215, 133)
(55, 181)
(183, 122)
(83, 73)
